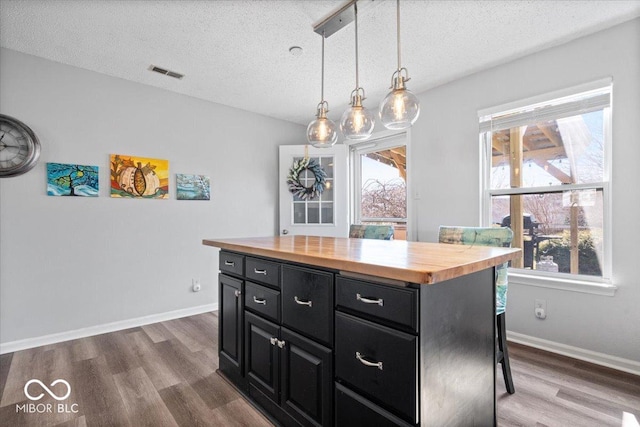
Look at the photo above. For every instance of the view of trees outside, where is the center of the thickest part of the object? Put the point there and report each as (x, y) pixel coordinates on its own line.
(383, 192)
(551, 211)
(384, 199)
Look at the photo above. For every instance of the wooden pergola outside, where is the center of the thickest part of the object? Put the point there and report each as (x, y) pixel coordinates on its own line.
(543, 144)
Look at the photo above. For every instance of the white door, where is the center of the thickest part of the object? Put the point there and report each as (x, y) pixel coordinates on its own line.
(326, 214)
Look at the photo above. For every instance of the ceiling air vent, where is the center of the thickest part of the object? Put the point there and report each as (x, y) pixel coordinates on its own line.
(166, 72)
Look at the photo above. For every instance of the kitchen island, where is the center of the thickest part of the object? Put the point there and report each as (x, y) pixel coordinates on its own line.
(333, 331)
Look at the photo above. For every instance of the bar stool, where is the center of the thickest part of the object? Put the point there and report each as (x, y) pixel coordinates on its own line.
(489, 236)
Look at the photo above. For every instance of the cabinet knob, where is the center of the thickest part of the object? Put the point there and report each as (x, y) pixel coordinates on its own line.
(259, 300)
(273, 340)
(366, 300)
(255, 270)
(229, 263)
(237, 293)
(281, 344)
(365, 362)
(301, 302)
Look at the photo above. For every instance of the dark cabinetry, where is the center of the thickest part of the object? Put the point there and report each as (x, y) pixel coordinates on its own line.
(282, 329)
(376, 353)
(379, 362)
(314, 346)
(230, 328)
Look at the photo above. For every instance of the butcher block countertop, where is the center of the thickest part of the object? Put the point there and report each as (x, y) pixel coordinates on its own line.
(414, 262)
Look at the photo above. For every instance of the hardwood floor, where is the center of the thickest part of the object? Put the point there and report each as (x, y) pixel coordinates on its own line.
(164, 375)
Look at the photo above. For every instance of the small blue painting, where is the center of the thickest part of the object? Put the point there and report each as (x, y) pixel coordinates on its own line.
(72, 180)
(193, 187)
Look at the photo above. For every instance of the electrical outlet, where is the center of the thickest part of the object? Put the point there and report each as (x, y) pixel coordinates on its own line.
(540, 309)
(195, 285)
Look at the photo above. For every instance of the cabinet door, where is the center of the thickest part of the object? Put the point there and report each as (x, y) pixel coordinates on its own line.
(307, 302)
(262, 355)
(230, 325)
(307, 380)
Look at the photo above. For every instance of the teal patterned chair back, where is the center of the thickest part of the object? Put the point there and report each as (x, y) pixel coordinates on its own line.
(483, 236)
(380, 232)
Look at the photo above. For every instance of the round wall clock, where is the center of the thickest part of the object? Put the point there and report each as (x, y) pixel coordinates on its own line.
(19, 147)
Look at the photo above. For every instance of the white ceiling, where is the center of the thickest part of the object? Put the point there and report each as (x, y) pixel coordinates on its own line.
(236, 52)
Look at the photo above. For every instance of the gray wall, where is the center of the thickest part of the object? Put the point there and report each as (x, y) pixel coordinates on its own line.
(446, 163)
(71, 262)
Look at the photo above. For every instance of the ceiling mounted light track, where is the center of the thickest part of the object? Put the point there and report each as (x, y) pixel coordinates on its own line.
(398, 110)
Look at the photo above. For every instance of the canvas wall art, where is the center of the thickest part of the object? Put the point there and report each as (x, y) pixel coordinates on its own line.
(193, 187)
(72, 180)
(139, 177)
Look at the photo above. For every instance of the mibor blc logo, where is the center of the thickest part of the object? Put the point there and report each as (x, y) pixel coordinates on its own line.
(39, 408)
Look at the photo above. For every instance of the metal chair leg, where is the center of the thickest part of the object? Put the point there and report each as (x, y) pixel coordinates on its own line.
(503, 354)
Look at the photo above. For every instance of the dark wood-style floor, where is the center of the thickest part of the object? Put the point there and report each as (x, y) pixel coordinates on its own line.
(164, 375)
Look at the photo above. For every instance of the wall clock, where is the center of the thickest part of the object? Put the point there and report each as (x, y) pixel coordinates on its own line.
(19, 147)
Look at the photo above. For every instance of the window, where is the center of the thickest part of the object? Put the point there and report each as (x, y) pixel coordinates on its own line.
(545, 174)
(380, 183)
(320, 209)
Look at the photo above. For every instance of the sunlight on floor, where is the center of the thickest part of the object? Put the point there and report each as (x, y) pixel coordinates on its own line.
(629, 420)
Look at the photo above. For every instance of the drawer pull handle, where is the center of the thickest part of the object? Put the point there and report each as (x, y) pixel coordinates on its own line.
(366, 300)
(367, 363)
(229, 263)
(237, 293)
(281, 344)
(259, 300)
(273, 340)
(298, 301)
(255, 270)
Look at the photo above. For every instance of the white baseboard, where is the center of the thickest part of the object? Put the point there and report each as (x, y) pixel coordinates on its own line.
(10, 347)
(625, 365)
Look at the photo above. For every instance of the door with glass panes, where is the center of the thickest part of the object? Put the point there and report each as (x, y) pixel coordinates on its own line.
(318, 205)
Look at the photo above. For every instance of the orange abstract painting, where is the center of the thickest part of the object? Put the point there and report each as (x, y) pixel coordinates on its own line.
(139, 177)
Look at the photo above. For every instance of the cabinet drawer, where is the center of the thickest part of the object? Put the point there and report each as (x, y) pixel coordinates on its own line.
(354, 410)
(388, 303)
(263, 300)
(307, 302)
(260, 270)
(380, 362)
(231, 263)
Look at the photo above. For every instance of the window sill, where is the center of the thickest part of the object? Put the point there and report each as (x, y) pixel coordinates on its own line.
(603, 287)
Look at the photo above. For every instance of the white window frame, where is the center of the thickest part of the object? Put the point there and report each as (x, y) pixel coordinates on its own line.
(579, 283)
(379, 141)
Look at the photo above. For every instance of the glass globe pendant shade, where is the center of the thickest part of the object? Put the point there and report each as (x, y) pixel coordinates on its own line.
(357, 122)
(322, 132)
(400, 108)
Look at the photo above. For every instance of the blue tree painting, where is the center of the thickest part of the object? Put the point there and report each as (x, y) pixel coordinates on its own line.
(72, 180)
(193, 187)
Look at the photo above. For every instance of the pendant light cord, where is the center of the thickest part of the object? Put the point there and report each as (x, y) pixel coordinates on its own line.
(398, 29)
(322, 74)
(355, 8)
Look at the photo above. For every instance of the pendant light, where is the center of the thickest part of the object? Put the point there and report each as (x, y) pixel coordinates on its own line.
(400, 108)
(322, 132)
(357, 122)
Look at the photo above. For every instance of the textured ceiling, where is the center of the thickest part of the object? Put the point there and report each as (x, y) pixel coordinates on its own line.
(236, 52)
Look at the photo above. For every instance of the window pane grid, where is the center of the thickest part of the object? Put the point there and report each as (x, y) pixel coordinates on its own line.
(319, 210)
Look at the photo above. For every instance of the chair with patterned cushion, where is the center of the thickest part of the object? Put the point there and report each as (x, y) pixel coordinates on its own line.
(380, 232)
(489, 236)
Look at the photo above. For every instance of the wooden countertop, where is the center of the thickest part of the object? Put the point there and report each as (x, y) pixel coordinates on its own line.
(414, 262)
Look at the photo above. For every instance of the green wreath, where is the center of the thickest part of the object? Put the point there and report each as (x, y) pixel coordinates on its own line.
(296, 187)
